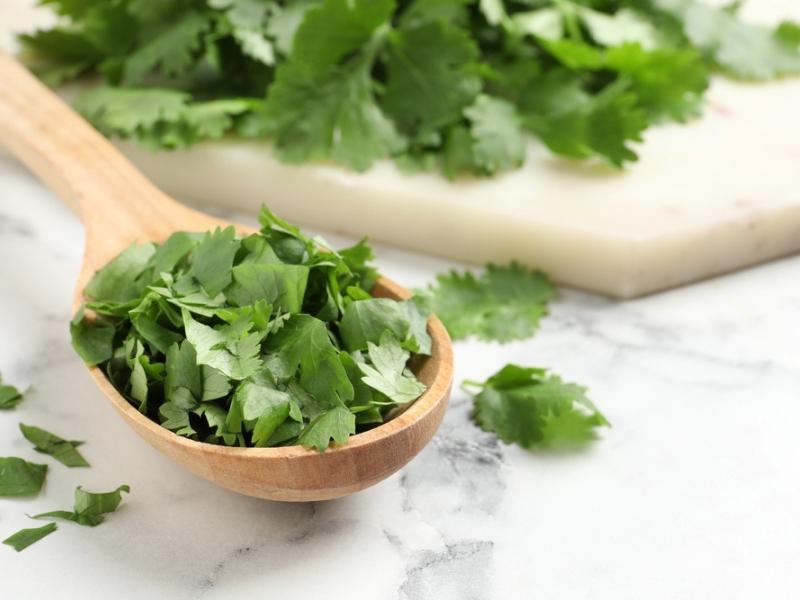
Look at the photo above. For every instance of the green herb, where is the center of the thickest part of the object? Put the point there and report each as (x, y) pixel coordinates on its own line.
(64, 451)
(451, 84)
(25, 537)
(19, 477)
(535, 409)
(90, 507)
(264, 340)
(503, 303)
(9, 396)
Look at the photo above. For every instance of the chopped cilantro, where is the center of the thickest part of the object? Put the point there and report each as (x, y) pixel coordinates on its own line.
(10, 396)
(19, 477)
(451, 84)
(64, 451)
(25, 537)
(265, 340)
(90, 508)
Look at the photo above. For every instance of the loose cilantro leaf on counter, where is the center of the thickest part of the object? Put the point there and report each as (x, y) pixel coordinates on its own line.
(264, 340)
(454, 85)
(19, 477)
(501, 304)
(25, 537)
(535, 409)
(10, 396)
(90, 508)
(64, 451)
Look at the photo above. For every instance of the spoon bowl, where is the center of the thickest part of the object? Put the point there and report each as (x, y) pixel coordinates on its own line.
(119, 206)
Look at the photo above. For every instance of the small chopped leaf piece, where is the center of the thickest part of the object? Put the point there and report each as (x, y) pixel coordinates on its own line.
(233, 350)
(64, 451)
(93, 339)
(90, 507)
(336, 424)
(501, 304)
(283, 286)
(366, 320)
(121, 279)
(19, 477)
(213, 260)
(25, 537)
(387, 372)
(10, 396)
(535, 409)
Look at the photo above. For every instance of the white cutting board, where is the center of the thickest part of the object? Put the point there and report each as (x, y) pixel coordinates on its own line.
(719, 194)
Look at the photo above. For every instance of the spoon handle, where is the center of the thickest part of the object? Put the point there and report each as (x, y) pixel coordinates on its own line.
(64, 151)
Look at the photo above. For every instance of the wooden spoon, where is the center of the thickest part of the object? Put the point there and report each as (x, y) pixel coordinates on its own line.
(118, 206)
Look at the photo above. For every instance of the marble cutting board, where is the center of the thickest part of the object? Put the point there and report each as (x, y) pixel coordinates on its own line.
(717, 195)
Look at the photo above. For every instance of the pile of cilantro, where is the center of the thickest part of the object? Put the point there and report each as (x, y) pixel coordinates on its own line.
(266, 340)
(435, 84)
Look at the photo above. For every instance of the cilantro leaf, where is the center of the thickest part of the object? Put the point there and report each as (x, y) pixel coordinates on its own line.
(744, 50)
(667, 83)
(130, 112)
(387, 372)
(366, 320)
(432, 76)
(19, 477)
(248, 19)
(501, 304)
(574, 123)
(160, 118)
(336, 28)
(336, 424)
(322, 103)
(535, 409)
(64, 451)
(213, 259)
(283, 286)
(496, 132)
(10, 396)
(330, 115)
(171, 49)
(233, 350)
(303, 346)
(121, 279)
(90, 508)
(25, 537)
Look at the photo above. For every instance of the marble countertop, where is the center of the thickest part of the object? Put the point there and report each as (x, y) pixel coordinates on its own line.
(692, 494)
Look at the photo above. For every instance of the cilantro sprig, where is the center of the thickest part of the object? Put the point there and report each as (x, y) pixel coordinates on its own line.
(263, 340)
(533, 408)
(502, 303)
(453, 85)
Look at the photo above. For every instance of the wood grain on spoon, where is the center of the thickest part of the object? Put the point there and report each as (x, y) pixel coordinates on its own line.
(118, 206)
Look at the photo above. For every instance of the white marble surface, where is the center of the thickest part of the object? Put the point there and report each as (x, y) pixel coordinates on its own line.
(693, 493)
